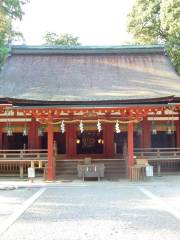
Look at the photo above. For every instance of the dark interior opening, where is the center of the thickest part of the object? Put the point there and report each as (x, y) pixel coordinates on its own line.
(43, 141)
(90, 142)
(16, 141)
(121, 140)
(163, 140)
(60, 139)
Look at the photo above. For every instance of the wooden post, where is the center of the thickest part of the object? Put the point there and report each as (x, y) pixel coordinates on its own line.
(51, 170)
(21, 171)
(32, 134)
(34, 141)
(71, 140)
(130, 147)
(108, 135)
(32, 164)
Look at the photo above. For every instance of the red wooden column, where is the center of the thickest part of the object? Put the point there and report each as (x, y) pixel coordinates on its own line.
(130, 145)
(51, 170)
(33, 138)
(146, 133)
(71, 140)
(108, 136)
(32, 134)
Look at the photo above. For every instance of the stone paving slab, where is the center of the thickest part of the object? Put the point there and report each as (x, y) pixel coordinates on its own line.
(105, 210)
(10, 199)
(166, 180)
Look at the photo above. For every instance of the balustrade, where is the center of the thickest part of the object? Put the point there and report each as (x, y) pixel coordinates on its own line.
(20, 160)
(163, 159)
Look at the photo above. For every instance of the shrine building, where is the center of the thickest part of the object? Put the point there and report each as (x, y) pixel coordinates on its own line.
(61, 105)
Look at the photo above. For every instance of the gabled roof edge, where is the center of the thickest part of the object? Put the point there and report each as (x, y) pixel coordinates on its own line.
(26, 102)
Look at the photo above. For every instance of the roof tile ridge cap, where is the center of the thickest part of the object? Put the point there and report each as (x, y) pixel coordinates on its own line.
(87, 46)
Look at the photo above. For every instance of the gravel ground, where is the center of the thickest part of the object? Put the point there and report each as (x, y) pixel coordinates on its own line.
(10, 200)
(98, 210)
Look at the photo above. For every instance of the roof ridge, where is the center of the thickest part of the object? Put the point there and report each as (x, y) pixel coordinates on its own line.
(58, 49)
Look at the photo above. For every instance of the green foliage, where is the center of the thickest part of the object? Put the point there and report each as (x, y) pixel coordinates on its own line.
(62, 39)
(12, 8)
(3, 54)
(9, 10)
(157, 21)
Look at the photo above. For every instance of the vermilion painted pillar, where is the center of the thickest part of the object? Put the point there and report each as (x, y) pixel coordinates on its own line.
(32, 134)
(51, 170)
(146, 133)
(108, 135)
(130, 145)
(71, 140)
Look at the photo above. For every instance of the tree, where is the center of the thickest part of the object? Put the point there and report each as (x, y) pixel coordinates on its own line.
(157, 21)
(10, 10)
(62, 39)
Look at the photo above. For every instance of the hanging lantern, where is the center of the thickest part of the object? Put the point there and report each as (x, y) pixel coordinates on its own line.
(99, 140)
(40, 131)
(9, 128)
(99, 128)
(62, 126)
(81, 127)
(154, 128)
(139, 130)
(117, 127)
(25, 131)
(169, 129)
(9, 131)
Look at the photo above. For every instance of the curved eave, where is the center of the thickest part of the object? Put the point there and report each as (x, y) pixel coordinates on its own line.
(37, 103)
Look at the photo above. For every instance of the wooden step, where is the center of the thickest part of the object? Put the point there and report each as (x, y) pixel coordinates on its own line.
(113, 168)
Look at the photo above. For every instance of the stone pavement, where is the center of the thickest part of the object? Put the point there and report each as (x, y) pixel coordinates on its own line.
(91, 210)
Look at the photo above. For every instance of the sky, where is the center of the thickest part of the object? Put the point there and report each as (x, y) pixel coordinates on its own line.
(95, 22)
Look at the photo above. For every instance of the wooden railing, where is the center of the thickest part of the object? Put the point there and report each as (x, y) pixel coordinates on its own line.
(163, 159)
(158, 153)
(20, 160)
(27, 154)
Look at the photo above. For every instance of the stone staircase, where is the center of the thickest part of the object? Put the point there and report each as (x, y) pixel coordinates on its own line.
(114, 168)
